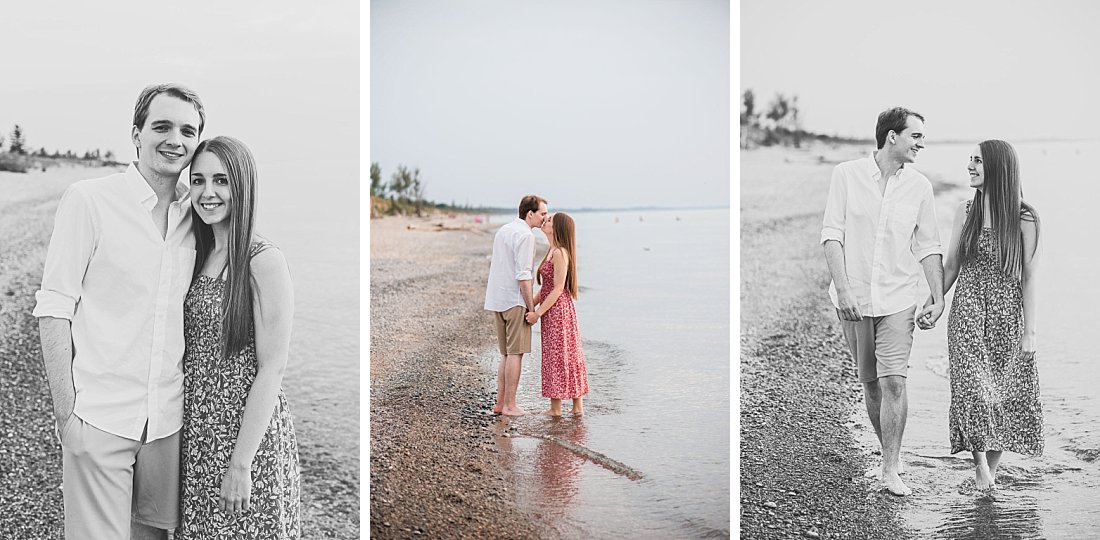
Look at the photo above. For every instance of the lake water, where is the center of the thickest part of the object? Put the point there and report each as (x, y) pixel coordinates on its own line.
(311, 211)
(653, 456)
(1056, 495)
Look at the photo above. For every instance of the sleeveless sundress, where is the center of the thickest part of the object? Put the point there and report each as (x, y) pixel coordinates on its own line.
(215, 391)
(994, 392)
(564, 375)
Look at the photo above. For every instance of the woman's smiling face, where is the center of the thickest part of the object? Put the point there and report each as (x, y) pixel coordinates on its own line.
(210, 191)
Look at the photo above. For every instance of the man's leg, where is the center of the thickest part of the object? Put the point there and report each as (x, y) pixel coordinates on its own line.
(498, 407)
(98, 482)
(498, 324)
(513, 364)
(156, 499)
(872, 399)
(895, 408)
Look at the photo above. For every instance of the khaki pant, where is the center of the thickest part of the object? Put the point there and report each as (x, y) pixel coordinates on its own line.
(109, 480)
(880, 345)
(513, 332)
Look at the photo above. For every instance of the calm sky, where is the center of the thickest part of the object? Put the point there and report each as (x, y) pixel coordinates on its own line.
(974, 69)
(591, 104)
(282, 78)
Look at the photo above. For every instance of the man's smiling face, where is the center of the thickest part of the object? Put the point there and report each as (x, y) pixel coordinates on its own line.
(167, 141)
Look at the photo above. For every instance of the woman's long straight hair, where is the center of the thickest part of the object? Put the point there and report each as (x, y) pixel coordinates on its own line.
(1006, 206)
(240, 167)
(565, 237)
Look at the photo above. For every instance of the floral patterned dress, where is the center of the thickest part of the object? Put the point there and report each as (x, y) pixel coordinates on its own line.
(994, 392)
(563, 372)
(215, 391)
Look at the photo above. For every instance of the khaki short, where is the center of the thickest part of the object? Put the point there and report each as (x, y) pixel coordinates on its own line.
(513, 332)
(880, 346)
(110, 480)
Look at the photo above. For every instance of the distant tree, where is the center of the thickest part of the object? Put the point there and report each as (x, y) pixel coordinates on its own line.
(18, 141)
(55, 154)
(69, 154)
(2, 141)
(417, 190)
(748, 108)
(376, 186)
(402, 181)
(778, 110)
(109, 156)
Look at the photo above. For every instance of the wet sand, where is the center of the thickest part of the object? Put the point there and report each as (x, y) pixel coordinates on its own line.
(435, 466)
(30, 458)
(801, 470)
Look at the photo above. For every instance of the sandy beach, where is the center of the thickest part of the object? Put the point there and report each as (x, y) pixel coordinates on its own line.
(801, 469)
(30, 456)
(434, 465)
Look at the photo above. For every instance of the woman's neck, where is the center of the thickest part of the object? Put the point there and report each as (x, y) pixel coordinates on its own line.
(221, 234)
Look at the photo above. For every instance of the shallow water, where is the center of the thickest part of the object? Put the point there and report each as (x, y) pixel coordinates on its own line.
(1055, 495)
(311, 212)
(654, 318)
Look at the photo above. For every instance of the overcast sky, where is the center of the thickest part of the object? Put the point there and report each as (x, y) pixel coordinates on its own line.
(974, 69)
(605, 103)
(282, 78)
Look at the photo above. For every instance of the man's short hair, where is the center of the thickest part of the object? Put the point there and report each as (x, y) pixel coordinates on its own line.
(892, 119)
(141, 108)
(530, 203)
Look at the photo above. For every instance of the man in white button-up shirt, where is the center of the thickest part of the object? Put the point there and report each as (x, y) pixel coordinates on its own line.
(880, 220)
(111, 321)
(508, 297)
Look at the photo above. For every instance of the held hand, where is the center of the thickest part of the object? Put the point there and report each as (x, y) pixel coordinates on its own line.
(931, 313)
(532, 317)
(1027, 347)
(236, 490)
(849, 308)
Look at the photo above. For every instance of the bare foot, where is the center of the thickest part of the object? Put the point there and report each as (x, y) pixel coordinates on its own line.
(896, 486)
(498, 408)
(550, 412)
(982, 480)
(878, 472)
(577, 412)
(513, 411)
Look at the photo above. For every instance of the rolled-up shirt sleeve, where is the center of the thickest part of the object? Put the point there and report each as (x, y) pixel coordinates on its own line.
(67, 258)
(832, 227)
(525, 257)
(926, 237)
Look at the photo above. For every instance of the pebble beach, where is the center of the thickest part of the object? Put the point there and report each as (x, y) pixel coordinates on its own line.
(435, 468)
(801, 470)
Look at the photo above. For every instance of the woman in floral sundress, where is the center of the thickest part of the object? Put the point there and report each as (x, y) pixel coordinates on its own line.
(563, 372)
(240, 470)
(991, 329)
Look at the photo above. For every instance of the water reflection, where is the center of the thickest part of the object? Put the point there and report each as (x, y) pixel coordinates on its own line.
(557, 468)
(1003, 515)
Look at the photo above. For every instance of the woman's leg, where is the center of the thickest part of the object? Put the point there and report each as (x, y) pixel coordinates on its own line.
(578, 405)
(982, 478)
(555, 408)
(993, 458)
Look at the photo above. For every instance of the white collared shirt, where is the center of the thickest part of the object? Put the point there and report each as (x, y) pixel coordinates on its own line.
(884, 235)
(122, 286)
(513, 261)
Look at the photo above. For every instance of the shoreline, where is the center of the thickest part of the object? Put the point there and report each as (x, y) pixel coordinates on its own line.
(435, 468)
(30, 456)
(801, 469)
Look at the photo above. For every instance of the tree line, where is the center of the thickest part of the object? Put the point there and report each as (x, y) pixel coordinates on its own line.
(778, 123)
(19, 157)
(403, 194)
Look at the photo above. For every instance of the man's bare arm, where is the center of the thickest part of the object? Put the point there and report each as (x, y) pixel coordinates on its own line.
(57, 355)
(525, 288)
(834, 258)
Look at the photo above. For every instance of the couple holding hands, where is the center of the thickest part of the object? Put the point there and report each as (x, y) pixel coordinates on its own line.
(879, 223)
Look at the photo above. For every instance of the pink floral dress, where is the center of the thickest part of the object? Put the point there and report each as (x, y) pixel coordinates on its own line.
(563, 373)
